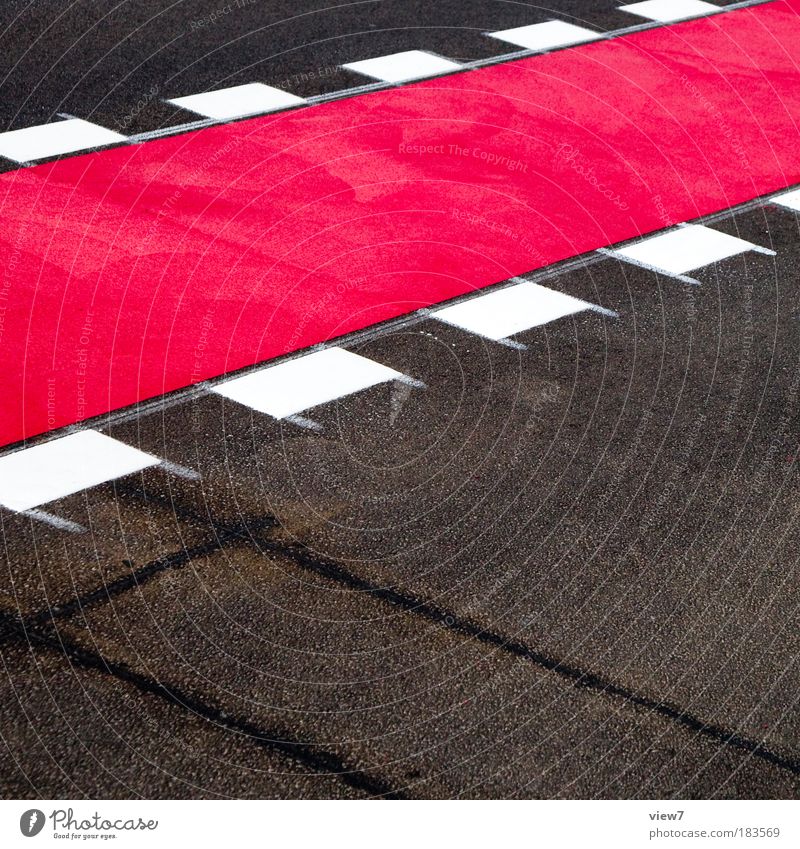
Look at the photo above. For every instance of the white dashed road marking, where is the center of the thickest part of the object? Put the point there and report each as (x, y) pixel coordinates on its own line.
(292, 387)
(401, 67)
(505, 312)
(55, 521)
(45, 140)
(685, 249)
(791, 200)
(665, 11)
(238, 101)
(546, 36)
(35, 476)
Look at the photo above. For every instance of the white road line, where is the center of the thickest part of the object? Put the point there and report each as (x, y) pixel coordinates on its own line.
(55, 521)
(401, 67)
(682, 277)
(546, 35)
(685, 249)
(504, 312)
(791, 200)
(238, 101)
(292, 387)
(665, 11)
(302, 421)
(180, 471)
(35, 476)
(45, 140)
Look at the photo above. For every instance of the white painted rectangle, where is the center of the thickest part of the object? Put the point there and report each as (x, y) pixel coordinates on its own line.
(685, 249)
(35, 476)
(401, 67)
(308, 381)
(40, 142)
(504, 312)
(791, 200)
(546, 35)
(670, 10)
(239, 101)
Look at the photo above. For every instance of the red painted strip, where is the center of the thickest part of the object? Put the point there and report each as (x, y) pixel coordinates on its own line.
(135, 271)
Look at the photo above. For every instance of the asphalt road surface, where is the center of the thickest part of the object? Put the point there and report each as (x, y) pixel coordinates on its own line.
(561, 568)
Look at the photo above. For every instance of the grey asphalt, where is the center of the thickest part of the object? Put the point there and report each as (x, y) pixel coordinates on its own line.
(564, 571)
(116, 62)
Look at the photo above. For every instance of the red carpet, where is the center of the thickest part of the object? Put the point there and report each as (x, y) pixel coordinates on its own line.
(135, 271)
